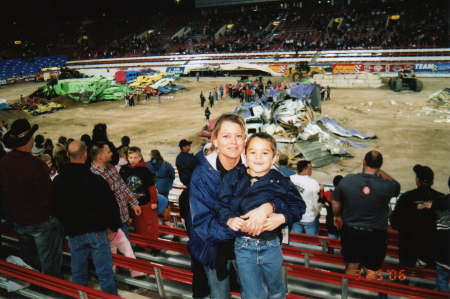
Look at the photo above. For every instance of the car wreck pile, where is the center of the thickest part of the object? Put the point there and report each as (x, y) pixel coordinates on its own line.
(293, 117)
(440, 101)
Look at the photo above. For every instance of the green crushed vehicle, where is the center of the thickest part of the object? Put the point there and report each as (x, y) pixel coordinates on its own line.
(88, 90)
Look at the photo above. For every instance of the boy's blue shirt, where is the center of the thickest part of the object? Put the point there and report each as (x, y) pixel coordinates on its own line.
(238, 196)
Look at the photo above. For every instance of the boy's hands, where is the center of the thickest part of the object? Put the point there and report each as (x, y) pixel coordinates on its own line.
(236, 223)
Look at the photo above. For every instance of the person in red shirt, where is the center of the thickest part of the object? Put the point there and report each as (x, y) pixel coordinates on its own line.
(143, 184)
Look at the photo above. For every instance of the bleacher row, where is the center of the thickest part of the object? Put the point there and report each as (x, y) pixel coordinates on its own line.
(311, 264)
(17, 67)
(300, 267)
(419, 26)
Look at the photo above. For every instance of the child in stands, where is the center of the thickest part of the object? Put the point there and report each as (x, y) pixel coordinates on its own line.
(142, 182)
(259, 257)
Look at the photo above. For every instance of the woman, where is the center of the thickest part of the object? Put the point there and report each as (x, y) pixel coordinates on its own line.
(166, 175)
(206, 236)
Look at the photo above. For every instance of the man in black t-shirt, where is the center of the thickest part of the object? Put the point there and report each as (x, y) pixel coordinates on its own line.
(416, 229)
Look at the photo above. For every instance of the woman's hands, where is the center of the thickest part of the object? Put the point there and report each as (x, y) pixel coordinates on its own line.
(256, 219)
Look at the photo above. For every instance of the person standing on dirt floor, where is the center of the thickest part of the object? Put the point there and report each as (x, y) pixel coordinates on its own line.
(215, 95)
(159, 97)
(207, 113)
(221, 91)
(147, 93)
(322, 93)
(328, 93)
(211, 100)
(138, 94)
(131, 99)
(202, 99)
(198, 77)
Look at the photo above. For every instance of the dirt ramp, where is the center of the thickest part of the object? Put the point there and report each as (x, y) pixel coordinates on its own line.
(67, 101)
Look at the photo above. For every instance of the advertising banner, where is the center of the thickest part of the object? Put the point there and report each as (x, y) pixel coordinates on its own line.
(386, 67)
(278, 68)
(175, 70)
(347, 68)
(2, 81)
(437, 68)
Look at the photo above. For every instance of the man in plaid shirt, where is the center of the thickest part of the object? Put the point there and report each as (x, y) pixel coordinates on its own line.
(101, 156)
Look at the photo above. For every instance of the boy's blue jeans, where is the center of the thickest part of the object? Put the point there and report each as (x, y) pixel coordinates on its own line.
(260, 266)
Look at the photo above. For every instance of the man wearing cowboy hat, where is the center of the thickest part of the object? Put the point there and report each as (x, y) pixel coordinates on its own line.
(27, 184)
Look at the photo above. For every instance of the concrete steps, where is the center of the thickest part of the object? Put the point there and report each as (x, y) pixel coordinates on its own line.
(348, 81)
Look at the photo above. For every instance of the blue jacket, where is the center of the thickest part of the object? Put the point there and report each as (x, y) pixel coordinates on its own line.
(204, 230)
(165, 173)
(238, 196)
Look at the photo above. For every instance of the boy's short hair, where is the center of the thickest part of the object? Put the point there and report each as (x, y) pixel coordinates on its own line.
(302, 165)
(264, 136)
(134, 150)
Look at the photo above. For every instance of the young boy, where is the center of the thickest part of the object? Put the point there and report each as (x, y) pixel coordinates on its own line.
(142, 182)
(259, 258)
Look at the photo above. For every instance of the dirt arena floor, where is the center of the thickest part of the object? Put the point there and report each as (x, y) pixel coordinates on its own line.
(407, 134)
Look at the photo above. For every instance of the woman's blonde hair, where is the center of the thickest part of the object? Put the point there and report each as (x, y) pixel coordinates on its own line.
(58, 147)
(124, 152)
(231, 117)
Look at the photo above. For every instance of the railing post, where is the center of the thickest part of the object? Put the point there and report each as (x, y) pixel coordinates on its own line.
(306, 255)
(175, 221)
(159, 282)
(82, 294)
(284, 277)
(344, 290)
(324, 245)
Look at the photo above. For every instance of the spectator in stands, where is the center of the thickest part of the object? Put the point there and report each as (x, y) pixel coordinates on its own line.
(86, 139)
(86, 206)
(441, 206)
(99, 134)
(48, 146)
(61, 158)
(122, 158)
(186, 163)
(165, 177)
(325, 198)
(38, 148)
(125, 142)
(101, 156)
(361, 206)
(284, 168)
(244, 189)
(416, 238)
(62, 140)
(143, 184)
(215, 160)
(27, 185)
(309, 189)
(48, 160)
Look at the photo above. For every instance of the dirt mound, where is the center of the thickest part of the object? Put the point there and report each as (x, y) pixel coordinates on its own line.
(10, 116)
(67, 101)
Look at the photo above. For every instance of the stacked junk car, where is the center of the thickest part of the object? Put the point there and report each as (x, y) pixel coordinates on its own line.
(293, 116)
